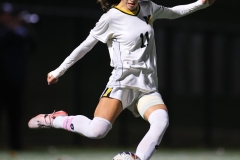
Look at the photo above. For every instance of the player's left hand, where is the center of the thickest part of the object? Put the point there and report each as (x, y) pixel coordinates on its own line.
(210, 2)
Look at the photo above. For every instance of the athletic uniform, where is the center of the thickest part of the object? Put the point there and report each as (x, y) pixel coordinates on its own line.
(131, 44)
(130, 40)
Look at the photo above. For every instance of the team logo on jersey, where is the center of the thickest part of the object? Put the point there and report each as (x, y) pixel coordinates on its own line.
(147, 18)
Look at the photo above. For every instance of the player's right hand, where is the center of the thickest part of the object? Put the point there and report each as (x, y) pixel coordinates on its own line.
(51, 79)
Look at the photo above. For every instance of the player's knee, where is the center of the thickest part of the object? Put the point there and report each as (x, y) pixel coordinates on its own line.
(99, 128)
(98, 134)
(159, 119)
(163, 119)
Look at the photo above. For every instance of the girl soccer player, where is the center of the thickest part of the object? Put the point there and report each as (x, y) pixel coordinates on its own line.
(133, 83)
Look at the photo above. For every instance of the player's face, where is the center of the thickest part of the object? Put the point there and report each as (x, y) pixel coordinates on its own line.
(130, 4)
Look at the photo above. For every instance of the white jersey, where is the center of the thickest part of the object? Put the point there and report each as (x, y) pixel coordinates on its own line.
(131, 44)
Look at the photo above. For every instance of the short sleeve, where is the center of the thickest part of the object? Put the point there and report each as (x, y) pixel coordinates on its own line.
(102, 30)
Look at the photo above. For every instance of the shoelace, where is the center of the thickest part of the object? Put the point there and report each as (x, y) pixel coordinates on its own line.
(50, 116)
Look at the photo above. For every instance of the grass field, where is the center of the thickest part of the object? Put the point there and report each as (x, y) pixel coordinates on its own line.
(52, 153)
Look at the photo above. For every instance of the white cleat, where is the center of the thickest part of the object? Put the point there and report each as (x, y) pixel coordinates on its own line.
(45, 120)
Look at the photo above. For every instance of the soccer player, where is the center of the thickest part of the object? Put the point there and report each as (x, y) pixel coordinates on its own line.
(133, 83)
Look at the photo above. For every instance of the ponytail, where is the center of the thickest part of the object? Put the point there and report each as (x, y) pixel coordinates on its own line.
(108, 4)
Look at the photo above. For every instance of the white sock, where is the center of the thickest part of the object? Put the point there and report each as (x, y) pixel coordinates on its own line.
(95, 129)
(158, 124)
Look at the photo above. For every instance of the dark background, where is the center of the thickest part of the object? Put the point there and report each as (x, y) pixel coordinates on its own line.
(198, 69)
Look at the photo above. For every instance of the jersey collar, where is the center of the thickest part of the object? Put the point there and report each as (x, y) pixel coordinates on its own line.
(129, 12)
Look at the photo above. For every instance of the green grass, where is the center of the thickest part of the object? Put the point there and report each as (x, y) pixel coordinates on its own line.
(52, 153)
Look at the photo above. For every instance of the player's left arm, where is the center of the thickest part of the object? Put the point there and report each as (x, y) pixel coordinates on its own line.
(183, 10)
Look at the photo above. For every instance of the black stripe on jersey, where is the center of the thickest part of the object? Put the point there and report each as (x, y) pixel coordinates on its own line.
(107, 92)
(129, 13)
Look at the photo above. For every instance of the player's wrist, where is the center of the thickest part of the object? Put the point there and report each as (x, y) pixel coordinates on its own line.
(202, 3)
(55, 74)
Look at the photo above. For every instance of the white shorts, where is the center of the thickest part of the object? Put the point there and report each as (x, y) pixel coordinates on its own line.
(130, 98)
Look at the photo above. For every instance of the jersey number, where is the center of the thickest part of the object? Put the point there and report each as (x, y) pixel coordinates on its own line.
(142, 38)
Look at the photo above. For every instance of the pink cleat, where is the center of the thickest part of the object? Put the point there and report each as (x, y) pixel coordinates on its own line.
(45, 120)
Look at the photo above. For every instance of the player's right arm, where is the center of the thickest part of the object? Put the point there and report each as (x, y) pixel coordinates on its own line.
(77, 54)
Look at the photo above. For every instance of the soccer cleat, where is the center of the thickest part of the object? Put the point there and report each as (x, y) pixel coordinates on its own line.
(45, 120)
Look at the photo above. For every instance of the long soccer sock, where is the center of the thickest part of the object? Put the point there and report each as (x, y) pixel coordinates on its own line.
(158, 123)
(95, 129)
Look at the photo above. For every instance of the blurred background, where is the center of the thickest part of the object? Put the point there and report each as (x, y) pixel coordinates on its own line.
(198, 69)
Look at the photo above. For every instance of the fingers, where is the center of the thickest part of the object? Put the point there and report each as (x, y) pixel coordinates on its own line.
(210, 2)
(204, 1)
(51, 79)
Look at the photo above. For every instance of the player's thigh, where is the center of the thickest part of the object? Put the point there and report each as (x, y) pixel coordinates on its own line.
(108, 108)
(149, 103)
(152, 109)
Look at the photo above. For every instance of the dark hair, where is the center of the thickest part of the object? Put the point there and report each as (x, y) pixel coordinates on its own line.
(108, 4)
